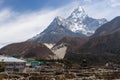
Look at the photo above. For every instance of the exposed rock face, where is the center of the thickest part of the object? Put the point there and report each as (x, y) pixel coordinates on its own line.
(59, 51)
(67, 45)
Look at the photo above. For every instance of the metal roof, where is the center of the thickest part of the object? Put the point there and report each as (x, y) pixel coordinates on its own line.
(10, 59)
(38, 63)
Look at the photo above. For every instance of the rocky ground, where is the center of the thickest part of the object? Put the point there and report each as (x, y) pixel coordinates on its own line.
(69, 74)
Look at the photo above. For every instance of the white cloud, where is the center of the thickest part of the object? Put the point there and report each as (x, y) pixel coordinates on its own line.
(115, 3)
(88, 0)
(23, 26)
(102, 9)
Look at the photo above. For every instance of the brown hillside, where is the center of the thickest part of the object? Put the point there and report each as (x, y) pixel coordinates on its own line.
(27, 50)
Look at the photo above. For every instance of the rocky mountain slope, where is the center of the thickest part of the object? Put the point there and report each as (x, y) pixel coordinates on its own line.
(55, 31)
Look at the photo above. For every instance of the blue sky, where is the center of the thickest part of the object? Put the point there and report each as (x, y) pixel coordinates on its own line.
(23, 5)
(23, 19)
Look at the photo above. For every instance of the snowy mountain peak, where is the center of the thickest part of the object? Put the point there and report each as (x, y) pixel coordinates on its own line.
(77, 15)
(58, 18)
(82, 23)
(78, 24)
(80, 9)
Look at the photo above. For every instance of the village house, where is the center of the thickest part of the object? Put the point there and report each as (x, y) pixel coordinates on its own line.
(11, 64)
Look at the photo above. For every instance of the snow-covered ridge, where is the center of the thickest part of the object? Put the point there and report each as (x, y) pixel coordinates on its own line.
(77, 15)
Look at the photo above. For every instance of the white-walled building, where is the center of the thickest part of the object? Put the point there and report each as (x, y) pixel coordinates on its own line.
(11, 64)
